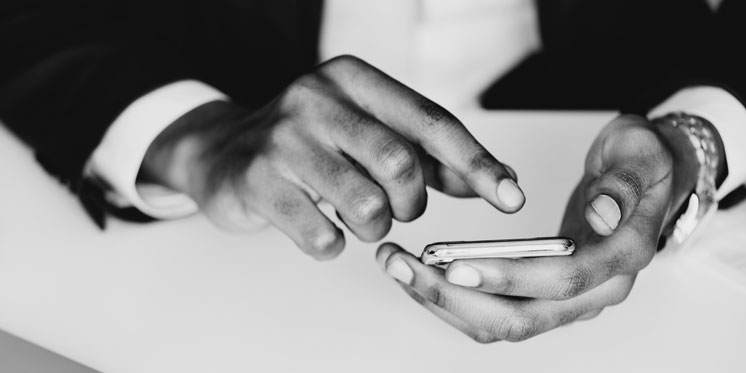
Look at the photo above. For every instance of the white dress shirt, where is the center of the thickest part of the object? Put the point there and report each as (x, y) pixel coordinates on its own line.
(442, 48)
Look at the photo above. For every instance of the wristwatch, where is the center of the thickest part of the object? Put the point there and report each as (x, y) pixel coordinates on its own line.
(702, 203)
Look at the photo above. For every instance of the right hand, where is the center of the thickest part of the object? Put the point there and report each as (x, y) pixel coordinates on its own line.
(346, 133)
(637, 175)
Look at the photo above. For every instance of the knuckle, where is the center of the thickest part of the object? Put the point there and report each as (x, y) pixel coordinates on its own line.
(333, 172)
(436, 117)
(305, 84)
(398, 161)
(505, 284)
(643, 136)
(650, 146)
(308, 81)
(637, 257)
(635, 131)
(353, 121)
(288, 208)
(482, 160)
(369, 208)
(568, 317)
(437, 295)
(616, 265)
(345, 63)
(631, 185)
(645, 254)
(631, 118)
(519, 328)
(500, 281)
(303, 93)
(575, 283)
(345, 60)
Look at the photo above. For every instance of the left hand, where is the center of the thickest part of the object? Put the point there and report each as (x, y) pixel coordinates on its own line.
(636, 176)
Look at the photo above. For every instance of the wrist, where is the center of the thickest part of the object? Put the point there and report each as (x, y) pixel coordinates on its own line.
(175, 158)
(698, 163)
(685, 164)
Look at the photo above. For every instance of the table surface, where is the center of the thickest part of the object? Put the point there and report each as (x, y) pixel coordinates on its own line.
(19, 356)
(183, 297)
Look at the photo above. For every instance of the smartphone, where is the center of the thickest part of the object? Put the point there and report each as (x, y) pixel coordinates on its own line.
(445, 252)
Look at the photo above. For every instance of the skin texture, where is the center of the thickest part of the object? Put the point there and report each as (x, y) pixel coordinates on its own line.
(647, 170)
(345, 133)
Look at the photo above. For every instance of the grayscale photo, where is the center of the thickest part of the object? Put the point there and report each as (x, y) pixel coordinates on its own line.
(372, 186)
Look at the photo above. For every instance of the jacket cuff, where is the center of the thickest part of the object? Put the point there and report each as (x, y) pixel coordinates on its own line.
(117, 159)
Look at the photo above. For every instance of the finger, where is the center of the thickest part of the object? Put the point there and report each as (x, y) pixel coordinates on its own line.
(292, 211)
(472, 332)
(590, 315)
(512, 172)
(298, 216)
(361, 204)
(441, 178)
(630, 162)
(386, 156)
(429, 125)
(555, 278)
(512, 319)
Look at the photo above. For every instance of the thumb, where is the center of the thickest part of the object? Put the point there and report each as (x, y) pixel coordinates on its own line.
(633, 161)
(614, 191)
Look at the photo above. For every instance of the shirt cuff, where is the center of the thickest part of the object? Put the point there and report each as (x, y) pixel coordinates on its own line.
(118, 157)
(727, 114)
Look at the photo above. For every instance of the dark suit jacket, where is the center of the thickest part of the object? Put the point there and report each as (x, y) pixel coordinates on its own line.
(630, 54)
(68, 68)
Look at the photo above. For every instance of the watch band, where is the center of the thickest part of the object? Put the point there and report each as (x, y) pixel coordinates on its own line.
(702, 203)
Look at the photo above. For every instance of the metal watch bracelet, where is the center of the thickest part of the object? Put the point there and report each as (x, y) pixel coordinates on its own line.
(702, 203)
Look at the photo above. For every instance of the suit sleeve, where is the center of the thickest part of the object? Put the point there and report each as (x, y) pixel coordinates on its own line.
(68, 68)
(715, 59)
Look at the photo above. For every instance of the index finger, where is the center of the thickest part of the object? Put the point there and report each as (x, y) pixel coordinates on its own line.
(429, 125)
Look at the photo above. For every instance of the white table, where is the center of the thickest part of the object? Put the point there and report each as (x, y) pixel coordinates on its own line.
(183, 297)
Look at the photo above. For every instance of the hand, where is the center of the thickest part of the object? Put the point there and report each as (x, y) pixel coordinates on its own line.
(636, 176)
(346, 133)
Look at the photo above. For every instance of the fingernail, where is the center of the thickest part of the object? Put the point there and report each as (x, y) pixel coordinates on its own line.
(607, 211)
(384, 252)
(510, 195)
(399, 270)
(464, 275)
